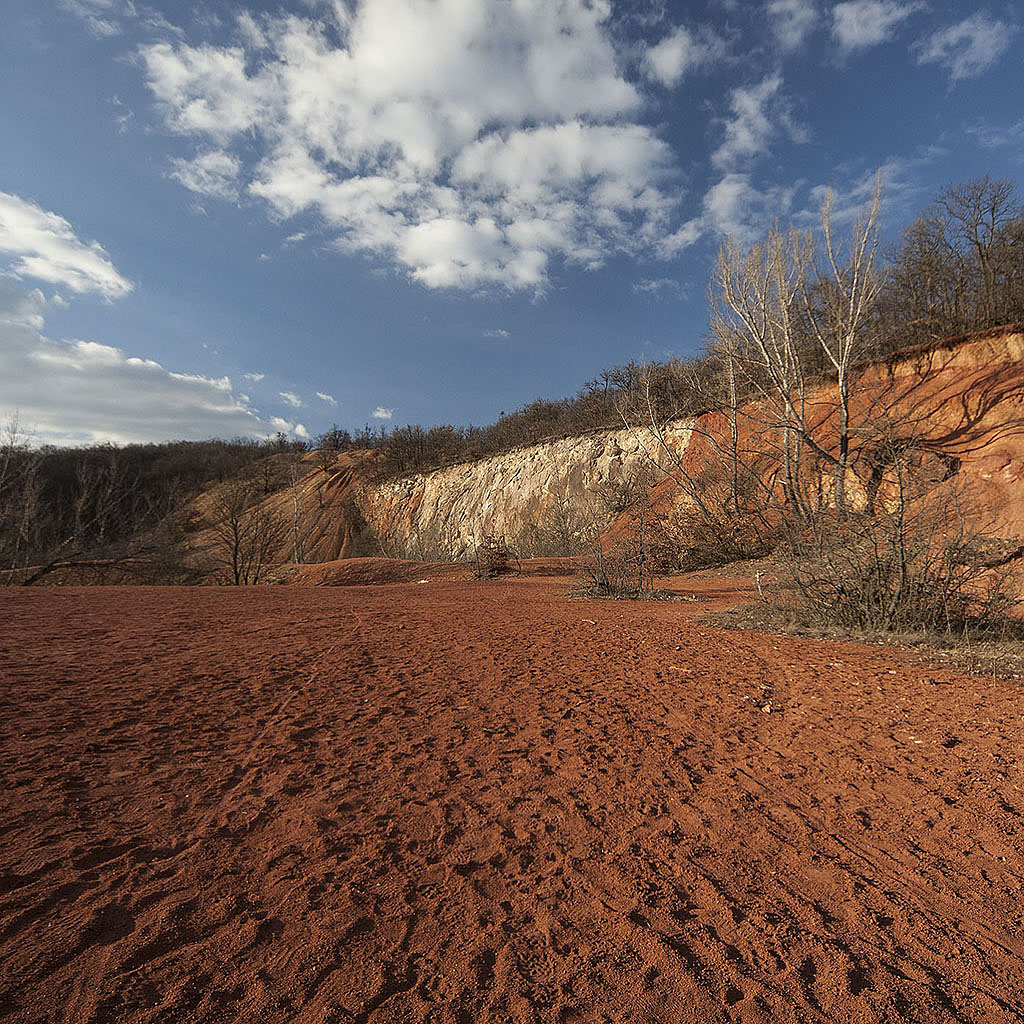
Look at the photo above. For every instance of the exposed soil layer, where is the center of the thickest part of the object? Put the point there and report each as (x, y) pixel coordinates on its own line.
(463, 802)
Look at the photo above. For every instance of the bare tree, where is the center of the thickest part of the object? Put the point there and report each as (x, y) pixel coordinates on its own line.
(791, 317)
(958, 267)
(790, 312)
(838, 302)
(20, 494)
(245, 531)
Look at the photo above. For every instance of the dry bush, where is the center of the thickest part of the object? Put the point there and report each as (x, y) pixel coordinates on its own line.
(703, 543)
(918, 564)
(622, 571)
(493, 559)
(620, 562)
(732, 524)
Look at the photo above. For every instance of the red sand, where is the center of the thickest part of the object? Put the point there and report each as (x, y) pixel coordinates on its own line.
(462, 802)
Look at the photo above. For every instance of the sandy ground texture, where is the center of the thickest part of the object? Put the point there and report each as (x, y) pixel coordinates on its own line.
(463, 802)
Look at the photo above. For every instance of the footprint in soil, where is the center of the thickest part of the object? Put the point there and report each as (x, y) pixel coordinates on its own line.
(108, 925)
(808, 976)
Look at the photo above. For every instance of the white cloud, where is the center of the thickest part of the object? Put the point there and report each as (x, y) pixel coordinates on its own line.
(45, 247)
(759, 113)
(292, 399)
(468, 142)
(212, 173)
(380, 413)
(254, 378)
(205, 90)
(688, 234)
(283, 426)
(679, 53)
(859, 24)
(969, 47)
(104, 18)
(82, 392)
(101, 17)
(329, 399)
(735, 207)
(905, 189)
(993, 137)
(659, 288)
(20, 307)
(496, 332)
(792, 21)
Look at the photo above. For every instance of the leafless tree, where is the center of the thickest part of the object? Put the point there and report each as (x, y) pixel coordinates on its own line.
(20, 494)
(245, 532)
(958, 267)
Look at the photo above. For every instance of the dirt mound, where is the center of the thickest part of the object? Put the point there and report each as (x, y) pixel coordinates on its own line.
(352, 572)
(313, 495)
(487, 802)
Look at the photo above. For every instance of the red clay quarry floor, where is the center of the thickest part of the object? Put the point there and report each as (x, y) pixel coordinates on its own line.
(478, 802)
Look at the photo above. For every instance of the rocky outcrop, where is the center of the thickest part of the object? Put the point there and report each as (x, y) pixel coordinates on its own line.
(532, 499)
(962, 401)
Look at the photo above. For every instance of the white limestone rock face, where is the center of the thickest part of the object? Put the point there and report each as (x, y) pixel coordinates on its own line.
(530, 498)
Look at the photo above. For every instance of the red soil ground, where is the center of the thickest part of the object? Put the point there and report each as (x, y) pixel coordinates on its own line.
(462, 802)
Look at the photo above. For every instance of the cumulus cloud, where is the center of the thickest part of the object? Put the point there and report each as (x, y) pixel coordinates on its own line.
(291, 398)
(969, 47)
(468, 143)
(44, 246)
(329, 399)
(792, 21)
(734, 206)
(254, 378)
(686, 235)
(83, 392)
(380, 413)
(859, 24)
(679, 53)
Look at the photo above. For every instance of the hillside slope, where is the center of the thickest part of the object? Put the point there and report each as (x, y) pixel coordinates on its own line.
(963, 402)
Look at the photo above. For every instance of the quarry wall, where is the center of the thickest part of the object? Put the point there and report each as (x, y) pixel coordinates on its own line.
(964, 398)
(530, 498)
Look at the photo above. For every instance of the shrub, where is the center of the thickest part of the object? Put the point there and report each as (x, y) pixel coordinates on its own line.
(492, 559)
(915, 565)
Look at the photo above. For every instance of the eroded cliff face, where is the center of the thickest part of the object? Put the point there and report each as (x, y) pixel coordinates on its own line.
(534, 499)
(962, 403)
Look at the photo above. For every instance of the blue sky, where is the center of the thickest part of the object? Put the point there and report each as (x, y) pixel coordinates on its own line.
(237, 218)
